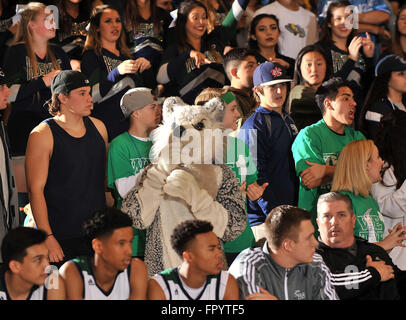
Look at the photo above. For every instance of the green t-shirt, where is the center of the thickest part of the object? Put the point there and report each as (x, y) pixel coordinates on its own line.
(238, 159)
(127, 156)
(319, 144)
(369, 224)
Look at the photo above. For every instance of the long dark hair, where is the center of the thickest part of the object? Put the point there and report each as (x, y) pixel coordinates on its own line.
(212, 13)
(184, 9)
(326, 35)
(396, 48)
(132, 16)
(65, 20)
(378, 91)
(297, 76)
(4, 4)
(253, 44)
(93, 41)
(391, 143)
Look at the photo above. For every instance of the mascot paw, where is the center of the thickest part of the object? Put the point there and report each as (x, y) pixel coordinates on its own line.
(179, 184)
(166, 168)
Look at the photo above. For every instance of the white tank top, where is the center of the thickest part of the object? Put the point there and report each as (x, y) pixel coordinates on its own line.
(36, 293)
(120, 290)
(175, 289)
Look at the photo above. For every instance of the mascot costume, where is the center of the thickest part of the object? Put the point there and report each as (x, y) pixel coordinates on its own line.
(187, 179)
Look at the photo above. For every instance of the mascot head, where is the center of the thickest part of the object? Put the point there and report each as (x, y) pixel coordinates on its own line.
(190, 134)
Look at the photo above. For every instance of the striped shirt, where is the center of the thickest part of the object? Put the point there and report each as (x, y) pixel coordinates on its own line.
(352, 277)
(255, 268)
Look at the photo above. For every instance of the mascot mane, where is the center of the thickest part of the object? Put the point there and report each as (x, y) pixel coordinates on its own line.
(175, 112)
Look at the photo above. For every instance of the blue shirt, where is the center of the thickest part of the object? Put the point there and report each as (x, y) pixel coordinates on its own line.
(269, 136)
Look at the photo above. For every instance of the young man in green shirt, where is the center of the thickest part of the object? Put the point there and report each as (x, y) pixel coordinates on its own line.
(317, 147)
(129, 152)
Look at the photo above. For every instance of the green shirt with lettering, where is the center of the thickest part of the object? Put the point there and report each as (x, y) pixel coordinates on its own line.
(319, 144)
(239, 160)
(127, 157)
(369, 224)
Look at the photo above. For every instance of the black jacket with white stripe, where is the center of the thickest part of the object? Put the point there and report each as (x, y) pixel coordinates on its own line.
(350, 276)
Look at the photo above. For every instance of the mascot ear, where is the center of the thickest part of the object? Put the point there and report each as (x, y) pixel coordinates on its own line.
(169, 106)
(216, 108)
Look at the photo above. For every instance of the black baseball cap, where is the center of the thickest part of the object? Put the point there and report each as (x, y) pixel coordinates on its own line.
(389, 63)
(68, 80)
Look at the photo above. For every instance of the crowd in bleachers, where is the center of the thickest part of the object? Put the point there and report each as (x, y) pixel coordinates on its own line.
(313, 93)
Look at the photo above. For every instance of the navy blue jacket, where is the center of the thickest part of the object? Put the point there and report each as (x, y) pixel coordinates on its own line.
(270, 146)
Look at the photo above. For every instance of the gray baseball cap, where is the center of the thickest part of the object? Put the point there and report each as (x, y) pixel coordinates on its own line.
(134, 99)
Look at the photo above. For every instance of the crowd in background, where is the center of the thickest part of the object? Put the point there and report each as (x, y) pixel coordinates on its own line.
(322, 83)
